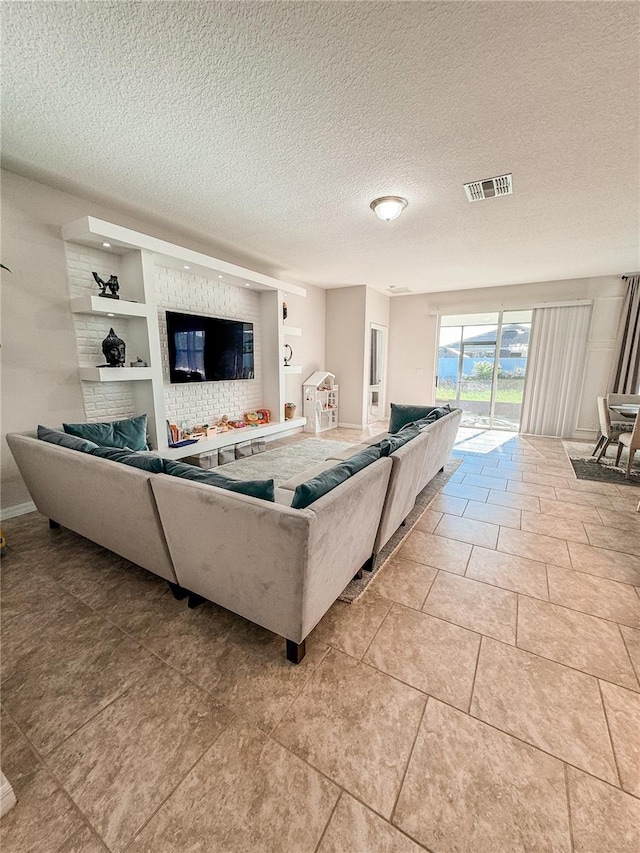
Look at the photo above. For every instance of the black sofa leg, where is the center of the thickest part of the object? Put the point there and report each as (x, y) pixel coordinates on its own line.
(195, 600)
(296, 651)
(368, 566)
(53, 525)
(178, 592)
(441, 471)
(358, 575)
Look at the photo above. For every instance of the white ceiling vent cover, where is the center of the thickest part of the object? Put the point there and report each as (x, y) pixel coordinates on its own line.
(489, 188)
(395, 289)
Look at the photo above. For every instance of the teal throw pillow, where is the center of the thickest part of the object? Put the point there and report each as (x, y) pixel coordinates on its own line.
(54, 436)
(263, 489)
(130, 434)
(152, 464)
(402, 415)
(306, 493)
(390, 444)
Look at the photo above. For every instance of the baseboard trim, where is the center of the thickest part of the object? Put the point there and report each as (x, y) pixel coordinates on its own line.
(17, 509)
(351, 426)
(7, 796)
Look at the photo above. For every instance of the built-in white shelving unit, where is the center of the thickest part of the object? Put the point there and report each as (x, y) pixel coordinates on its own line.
(139, 255)
(293, 331)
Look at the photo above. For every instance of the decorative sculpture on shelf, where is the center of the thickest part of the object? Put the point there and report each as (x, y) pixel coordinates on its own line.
(113, 348)
(112, 285)
(287, 358)
(284, 311)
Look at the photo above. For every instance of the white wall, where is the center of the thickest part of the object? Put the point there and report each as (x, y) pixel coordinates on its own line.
(39, 356)
(414, 323)
(345, 348)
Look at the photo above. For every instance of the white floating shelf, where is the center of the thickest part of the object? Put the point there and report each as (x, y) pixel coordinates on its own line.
(102, 305)
(114, 374)
(293, 368)
(293, 331)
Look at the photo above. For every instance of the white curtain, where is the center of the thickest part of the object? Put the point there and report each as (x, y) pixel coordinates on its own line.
(555, 368)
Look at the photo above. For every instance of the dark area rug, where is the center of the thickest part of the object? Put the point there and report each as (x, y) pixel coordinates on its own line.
(357, 587)
(605, 471)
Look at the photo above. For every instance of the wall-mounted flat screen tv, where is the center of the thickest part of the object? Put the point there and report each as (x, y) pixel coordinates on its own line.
(208, 349)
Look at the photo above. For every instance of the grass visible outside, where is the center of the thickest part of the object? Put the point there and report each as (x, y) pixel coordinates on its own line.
(507, 391)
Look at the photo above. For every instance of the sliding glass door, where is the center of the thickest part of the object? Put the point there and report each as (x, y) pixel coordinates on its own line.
(482, 360)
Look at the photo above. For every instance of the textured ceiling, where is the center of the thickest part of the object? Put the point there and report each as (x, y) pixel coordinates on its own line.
(269, 127)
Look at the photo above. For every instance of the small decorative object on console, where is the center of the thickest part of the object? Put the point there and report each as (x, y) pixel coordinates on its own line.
(289, 411)
(113, 348)
(257, 418)
(112, 285)
(138, 362)
(284, 311)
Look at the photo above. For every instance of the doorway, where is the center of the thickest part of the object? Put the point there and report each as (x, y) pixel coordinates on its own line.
(482, 361)
(377, 369)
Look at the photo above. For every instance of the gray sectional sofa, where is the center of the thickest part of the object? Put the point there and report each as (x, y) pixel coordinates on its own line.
(277, 566)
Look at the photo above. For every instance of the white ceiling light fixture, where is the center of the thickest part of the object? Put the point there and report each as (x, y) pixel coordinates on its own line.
(388, 207)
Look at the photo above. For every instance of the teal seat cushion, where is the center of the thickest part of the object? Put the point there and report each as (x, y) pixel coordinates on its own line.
(263, 489)
(152, 464)
(306, 493)
(393, 442)
(130, 434)
(54, 436)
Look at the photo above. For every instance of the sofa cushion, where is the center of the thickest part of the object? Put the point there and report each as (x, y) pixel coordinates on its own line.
(434, 415)
(392, 442)
(263, 489)
(293, 482)
(306, 493)
(54, 436)
(130, 433)
(144, 461)
(402, 415)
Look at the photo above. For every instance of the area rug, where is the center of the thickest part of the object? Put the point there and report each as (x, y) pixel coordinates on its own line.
(357, 587)
(586, 468)
(283, 462)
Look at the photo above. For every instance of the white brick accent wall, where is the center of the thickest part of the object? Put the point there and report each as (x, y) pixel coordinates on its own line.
(175, 290)
(102, 401)
(207, 402)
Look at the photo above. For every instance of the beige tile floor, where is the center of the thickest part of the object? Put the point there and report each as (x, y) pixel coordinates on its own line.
(481, 697)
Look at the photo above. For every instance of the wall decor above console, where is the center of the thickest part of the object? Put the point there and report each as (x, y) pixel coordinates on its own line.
(163, 278)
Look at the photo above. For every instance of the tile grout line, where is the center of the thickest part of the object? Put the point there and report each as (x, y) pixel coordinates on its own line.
(613, 749)
(626, 645)
(565, 768)
(326, 826)
(411, 751)
(475, 675)
(178, 784)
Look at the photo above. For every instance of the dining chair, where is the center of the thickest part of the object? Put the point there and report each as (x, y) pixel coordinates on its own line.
(617, 420)
(631, 440)
(609, 432)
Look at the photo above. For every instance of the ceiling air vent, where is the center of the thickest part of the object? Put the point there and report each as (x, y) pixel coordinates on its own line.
(394, 290)
(489, 188)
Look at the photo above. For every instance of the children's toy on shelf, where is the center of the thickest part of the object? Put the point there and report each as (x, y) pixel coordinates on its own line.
(223, 424)
(257, 418)
(237, 424)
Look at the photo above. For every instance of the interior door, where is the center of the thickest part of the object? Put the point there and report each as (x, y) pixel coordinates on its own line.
(377, 365)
